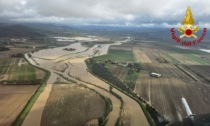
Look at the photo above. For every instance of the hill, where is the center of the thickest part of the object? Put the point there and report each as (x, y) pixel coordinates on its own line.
(18, 31)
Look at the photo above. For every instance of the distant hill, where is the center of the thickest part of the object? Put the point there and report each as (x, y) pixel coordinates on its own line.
(18, 31)
(4, 24)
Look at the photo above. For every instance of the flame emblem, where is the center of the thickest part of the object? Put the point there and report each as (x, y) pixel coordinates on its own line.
(188, 29)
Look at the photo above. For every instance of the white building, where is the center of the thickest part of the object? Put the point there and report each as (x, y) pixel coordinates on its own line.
(152, 74)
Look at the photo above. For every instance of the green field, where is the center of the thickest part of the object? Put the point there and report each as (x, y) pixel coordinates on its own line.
(197, 59)
(17, 70)
(171, 58)
(122, 56)
(130, 79)
(118, 55)
(4, 63)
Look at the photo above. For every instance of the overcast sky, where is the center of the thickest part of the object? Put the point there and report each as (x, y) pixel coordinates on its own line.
(145, 13)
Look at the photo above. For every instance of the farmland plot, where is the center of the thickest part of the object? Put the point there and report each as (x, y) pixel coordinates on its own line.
(183, 76)
(141, 56)
(72, 105)
(201, 70)
(12, 101)
(18, 71)
(118, 55)
(165, 93)
(119, 72)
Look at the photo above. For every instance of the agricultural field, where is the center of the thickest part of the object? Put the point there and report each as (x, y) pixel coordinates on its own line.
(14, 50)
(12, 101)
(118, 55)
(126, 76)
(201, 70)
(179, 79)
(119, 72)
(130, 79)
(170, 90)
(19, 71)
(140, 56)
(185, 74)
(189, 59)
(18, 82)
(72, 105)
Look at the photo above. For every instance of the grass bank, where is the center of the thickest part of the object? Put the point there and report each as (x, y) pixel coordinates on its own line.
(19, 120)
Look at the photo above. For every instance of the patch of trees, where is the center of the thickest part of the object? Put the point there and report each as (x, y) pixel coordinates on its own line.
(29, 55)
(134, 66)
(3, 48)
(99, 70)
(158, 119)
(21, 82)
(69, 49)
(17, 55)
(160, 60)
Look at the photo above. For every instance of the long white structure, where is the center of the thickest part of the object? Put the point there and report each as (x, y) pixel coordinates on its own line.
(187, 108)
(155, 74)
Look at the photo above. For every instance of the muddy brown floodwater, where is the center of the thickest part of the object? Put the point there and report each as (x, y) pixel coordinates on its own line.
(77, 68)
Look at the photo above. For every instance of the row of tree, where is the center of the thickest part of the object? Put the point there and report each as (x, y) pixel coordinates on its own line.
(3, 48)
(99, 70)
(21, 82)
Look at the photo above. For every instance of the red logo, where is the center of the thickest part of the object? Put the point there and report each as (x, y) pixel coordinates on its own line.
(188, 30)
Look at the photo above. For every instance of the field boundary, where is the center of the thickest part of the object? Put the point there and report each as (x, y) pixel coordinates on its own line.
(19, 120)
(187, 73)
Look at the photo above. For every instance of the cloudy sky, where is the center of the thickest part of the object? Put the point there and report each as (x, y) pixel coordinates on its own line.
(145, 13)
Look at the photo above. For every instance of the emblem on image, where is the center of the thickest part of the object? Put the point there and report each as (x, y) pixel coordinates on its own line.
(188, 29)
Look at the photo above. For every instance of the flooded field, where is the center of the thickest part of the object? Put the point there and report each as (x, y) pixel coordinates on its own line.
(54, 53)
(75, 67)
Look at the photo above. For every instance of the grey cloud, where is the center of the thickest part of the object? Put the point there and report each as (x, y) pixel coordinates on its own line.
(117, 12)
